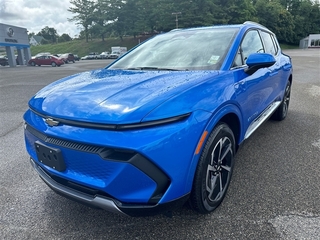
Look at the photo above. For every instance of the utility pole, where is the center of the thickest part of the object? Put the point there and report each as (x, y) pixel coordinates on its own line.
(176, 13)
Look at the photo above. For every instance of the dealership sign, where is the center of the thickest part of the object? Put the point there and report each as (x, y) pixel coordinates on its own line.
(13, 36)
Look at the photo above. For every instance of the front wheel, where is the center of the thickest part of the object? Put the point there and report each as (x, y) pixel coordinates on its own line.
(282, 110)
(33, 64)
(53, 64)
(214, 170)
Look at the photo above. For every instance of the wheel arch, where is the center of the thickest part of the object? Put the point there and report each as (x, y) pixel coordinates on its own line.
(229, 114)
(232, 116)
(233, 122)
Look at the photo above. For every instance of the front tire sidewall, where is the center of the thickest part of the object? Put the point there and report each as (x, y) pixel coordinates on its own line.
(286, 100)
(199, 198)
(282, 111)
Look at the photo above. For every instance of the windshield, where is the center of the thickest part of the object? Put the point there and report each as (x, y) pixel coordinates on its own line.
(197, 49)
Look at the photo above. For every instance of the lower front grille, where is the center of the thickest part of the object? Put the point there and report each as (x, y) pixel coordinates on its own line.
(96, 201)
(78, 187)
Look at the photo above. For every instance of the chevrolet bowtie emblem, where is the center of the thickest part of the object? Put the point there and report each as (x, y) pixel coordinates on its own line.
(51, 122)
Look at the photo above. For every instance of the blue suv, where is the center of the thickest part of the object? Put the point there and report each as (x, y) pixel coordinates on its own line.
(161, 125)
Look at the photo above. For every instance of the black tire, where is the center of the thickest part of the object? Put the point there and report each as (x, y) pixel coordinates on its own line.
(53, 64)
(214, 170)
(33, 64)
(282, 110)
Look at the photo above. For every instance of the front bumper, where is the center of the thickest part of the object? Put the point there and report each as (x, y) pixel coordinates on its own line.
(135, 172)
(103, 202)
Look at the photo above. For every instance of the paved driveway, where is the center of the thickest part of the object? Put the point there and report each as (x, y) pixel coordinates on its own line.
(274, 193)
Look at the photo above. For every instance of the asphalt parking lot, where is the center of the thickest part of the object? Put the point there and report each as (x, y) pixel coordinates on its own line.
(274, 192)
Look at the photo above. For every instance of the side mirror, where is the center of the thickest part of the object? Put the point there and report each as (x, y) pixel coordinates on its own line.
(256, 61)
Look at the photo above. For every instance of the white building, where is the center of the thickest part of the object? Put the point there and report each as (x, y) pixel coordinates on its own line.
(35, 40)
(312, 41)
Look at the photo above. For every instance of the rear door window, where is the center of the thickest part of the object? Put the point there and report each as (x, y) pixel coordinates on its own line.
(268, 43)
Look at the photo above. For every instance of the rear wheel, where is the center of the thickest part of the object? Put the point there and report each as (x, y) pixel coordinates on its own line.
(282, 110)
(53, 64)
(214, 170)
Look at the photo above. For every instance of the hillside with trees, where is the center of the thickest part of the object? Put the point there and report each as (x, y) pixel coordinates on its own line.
(290, 20)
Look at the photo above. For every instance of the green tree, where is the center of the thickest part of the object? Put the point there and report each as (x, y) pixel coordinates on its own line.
(130, 17)
(64, 38)
(239, 11)
(291, 20)
(31, 34)
(306, 17)
(195, 13)
(83, 10)
(50, 34)
(274, 16)
(102, 17)
(211, 12)
(117, 13)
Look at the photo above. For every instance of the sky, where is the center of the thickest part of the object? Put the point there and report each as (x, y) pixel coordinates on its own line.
(35, 15)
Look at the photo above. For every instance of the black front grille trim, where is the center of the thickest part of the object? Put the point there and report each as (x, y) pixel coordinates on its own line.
(104, 152)
(74, 145)
(65, 143)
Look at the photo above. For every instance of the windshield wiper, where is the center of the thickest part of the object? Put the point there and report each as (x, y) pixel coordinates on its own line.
(152, 68)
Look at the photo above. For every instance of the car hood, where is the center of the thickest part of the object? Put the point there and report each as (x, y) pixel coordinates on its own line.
(114, 96)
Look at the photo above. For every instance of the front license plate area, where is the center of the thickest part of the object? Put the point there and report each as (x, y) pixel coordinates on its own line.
(51, 157)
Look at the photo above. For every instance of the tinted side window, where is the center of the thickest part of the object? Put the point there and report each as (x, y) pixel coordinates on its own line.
(276, 44)
(251, 44)
(268, 43)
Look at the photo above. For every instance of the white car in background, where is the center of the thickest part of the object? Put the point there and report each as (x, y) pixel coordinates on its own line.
(104, 55)
(85, 57)
(115, 55)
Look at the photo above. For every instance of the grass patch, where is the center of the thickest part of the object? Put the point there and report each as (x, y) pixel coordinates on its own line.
(82, 48)
(287, 46)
